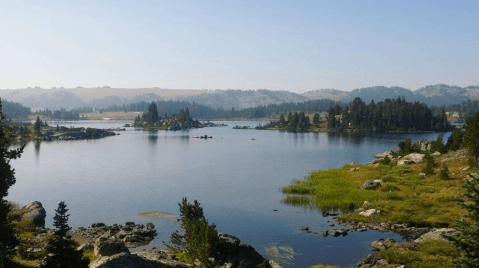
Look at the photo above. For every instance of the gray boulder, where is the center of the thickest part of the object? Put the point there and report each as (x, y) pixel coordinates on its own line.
(416, 158)
(228, 243)
(389, 154)
(34, 211)
(438, 234)
(109, 247)
(371, 185)
(150, 226)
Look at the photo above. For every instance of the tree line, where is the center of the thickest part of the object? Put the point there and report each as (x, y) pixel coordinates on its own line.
(196, 110)
(386, 116)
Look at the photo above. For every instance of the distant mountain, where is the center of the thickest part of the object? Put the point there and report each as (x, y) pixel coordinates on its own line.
(330, 94)
(244, 98)
(68, 98)
(431, 95)
(56, 98)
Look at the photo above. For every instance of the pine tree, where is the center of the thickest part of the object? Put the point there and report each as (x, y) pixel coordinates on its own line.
(468, 242)
(429, 168)
(152, 113)
(61, 219)
(7, 179)
(444, 173)
(200, 239)
(455, 140)
(38, 125)
(471, 138)
(62, 249)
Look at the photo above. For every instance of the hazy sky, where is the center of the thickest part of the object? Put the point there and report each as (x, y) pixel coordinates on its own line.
(279, 45)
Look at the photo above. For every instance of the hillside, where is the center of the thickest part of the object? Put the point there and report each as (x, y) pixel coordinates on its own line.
(431, 95)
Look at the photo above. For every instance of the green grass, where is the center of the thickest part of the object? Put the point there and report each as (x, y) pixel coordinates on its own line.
(89, 253)
(333, 188)
(404, 197)
(429, 254)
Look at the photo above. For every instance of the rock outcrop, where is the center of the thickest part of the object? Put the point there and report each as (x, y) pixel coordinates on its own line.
(132, 234)
(371, 184)
(34, 211)
(413, 158)
(109, 247)
(438, 234)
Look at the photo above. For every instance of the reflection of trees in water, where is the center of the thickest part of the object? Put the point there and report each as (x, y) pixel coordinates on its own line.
(152, 137)
(352, 137)
(37, 148)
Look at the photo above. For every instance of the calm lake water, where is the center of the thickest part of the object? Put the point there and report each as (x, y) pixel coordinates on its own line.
(236, 176)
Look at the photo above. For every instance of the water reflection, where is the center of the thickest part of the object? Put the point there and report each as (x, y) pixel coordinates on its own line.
(37, 149)
(152, 137)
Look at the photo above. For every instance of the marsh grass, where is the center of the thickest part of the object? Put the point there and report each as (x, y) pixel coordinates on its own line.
(404, 197)
(429, 254)
(333, 188)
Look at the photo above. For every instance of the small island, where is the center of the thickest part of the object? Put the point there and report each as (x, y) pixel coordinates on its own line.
(181, 121)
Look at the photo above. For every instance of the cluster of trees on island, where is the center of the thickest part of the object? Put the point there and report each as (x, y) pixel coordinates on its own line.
(152, 120)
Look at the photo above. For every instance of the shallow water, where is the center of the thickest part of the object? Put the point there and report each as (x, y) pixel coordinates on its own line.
(236, 176)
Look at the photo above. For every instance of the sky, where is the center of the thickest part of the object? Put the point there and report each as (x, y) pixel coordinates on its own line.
(296, 46)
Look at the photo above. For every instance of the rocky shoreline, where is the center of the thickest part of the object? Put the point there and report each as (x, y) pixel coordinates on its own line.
(111, 244)
(64, 133)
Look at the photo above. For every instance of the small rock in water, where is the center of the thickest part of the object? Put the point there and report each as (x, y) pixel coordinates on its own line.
(331, 224)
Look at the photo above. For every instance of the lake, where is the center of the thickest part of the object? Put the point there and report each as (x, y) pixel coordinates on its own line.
(236, 176)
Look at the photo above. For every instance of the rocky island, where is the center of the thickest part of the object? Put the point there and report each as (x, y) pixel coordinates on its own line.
(181, 121)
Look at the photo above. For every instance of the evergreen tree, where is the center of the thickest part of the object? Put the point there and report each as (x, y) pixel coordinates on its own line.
(152, 113)
(38, 125)
(200, 239)
(316, 119)
(468, 242)
(471, 138)
(455, 140)
(331, 118)
(444, 173)
(7, 179)
(62, 249)
(60, 221)
(429, 168)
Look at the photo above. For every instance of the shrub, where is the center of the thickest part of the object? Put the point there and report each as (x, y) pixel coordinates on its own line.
(438, 247)
(385, 161)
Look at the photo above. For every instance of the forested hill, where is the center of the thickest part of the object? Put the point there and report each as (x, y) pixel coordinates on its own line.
(386, 116)
(14, 110)
(205, 112)
(431, 95)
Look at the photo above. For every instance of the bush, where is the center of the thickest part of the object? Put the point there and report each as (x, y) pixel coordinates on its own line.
(438, 247)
